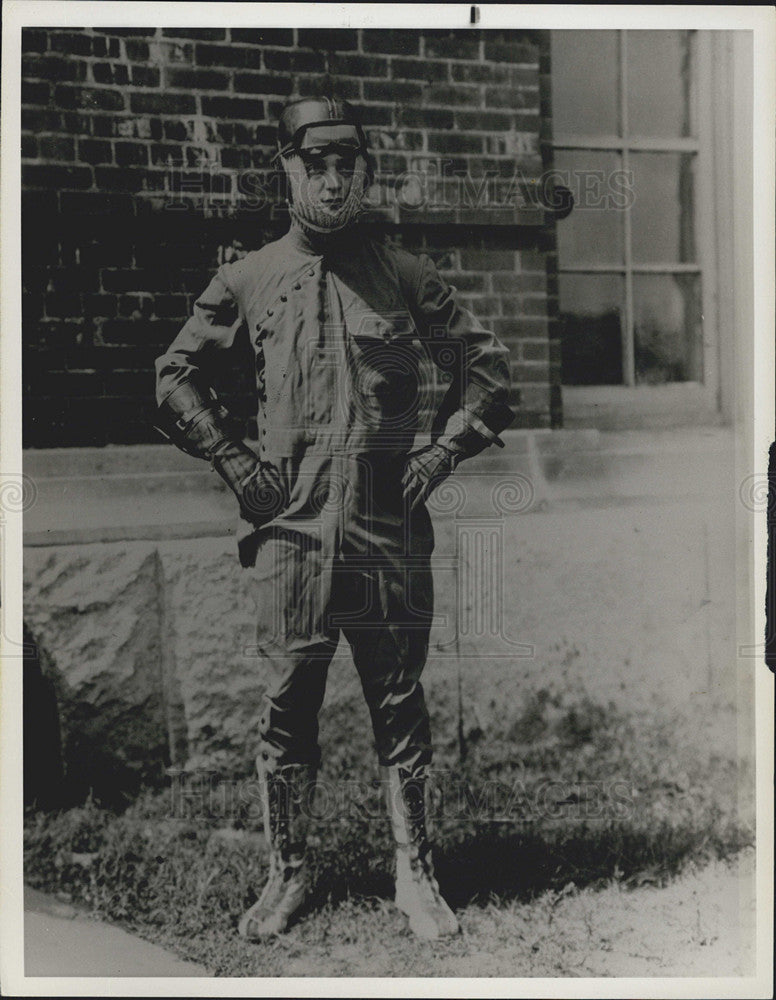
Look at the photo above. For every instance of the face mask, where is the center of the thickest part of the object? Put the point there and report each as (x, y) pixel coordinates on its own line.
(308, 211)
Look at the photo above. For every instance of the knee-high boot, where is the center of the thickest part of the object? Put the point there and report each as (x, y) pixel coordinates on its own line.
(417, 890)
(285, 795)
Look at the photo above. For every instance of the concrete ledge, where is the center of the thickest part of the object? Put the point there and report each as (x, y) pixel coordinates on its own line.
(151, 459)
(153, 492)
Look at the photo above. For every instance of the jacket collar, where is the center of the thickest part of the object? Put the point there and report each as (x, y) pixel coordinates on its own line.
(331, 245)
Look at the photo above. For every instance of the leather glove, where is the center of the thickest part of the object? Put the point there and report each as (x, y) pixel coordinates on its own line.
(424, 470)
(258, 486)
(263, 494)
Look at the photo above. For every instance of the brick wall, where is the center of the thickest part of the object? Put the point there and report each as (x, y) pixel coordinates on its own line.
(146, 152)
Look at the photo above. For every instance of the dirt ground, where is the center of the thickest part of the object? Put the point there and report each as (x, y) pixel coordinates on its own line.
(702, 924)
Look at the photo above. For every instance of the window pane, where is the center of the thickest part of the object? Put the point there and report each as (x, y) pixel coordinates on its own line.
(662, 212)
(584, 82)
(593, 233)
(659, 83)
(667, 328)
(591, 311)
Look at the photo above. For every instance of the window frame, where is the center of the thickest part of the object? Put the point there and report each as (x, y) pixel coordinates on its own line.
(630, 404)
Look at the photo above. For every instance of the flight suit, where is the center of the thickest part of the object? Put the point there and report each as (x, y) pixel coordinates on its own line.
(346, 332)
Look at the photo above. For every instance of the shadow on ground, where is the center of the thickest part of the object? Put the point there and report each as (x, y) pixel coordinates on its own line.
(519, 865)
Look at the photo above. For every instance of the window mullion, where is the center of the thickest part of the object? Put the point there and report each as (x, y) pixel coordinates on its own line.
(628, 352)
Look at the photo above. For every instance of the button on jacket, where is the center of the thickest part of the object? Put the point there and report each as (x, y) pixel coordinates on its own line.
(347, 334)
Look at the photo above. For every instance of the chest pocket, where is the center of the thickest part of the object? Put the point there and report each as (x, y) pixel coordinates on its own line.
(387, 370)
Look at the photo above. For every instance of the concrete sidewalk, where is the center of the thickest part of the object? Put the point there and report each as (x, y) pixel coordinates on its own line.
(60, 940)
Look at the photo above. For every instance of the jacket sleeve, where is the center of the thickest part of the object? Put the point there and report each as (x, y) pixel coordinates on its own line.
(213, 325)
(475, 409)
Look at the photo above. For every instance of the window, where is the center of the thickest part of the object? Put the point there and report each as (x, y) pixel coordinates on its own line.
(630, 140)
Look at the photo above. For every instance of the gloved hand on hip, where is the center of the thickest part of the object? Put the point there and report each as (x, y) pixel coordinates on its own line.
(424, 470)
(262, 494)
(258, 486)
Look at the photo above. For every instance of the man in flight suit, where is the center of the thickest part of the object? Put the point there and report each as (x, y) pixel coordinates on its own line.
(337, 532)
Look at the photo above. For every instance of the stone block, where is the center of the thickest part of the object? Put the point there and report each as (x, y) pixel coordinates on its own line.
(95, 610)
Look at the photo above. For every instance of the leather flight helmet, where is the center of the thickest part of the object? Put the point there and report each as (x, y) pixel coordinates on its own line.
(302, 113)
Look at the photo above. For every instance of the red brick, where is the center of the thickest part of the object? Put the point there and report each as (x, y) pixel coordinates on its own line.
(487, 260)
(175, 131)
(341, 88)
(294, 62)
(261, 83)
(190, 79)
(53, 68)
(119, 178)
(519, 283)
(197, 34)
(451, 44)
(130, 331)
(510, 97)
(391, 163)
(134, 279)
(135, 384)
(372, 115)
(100, 305)
(488, 121)
(38, 120)
(476, 72)
(71, 43)
(516, 52)
(129, 154)
(104, 126)
(263, 36)
(223, 55)
(63, 304)
(35, 93)
(454, 142)
(145, 76)
(137, 50)
(533, 260)
(536, 350)
(357, 65)
(426, 117)
(110, 73)
(162, 104)
(455, 95)
(172, 306)
(56, 147)
(418, 69)
(470, 282)
(529, 372)
(96, 98)
(75, 123)
(56, 177)
(165, 154)
(329, 39)
(106, 48)
(395, 139)
(399, 42)
(232, 107)
(34, 40)
(523, 328)
(95, 203)
(128, 32)
(131, 304)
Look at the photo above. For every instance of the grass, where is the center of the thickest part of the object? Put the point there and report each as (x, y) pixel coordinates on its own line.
(567, 798)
